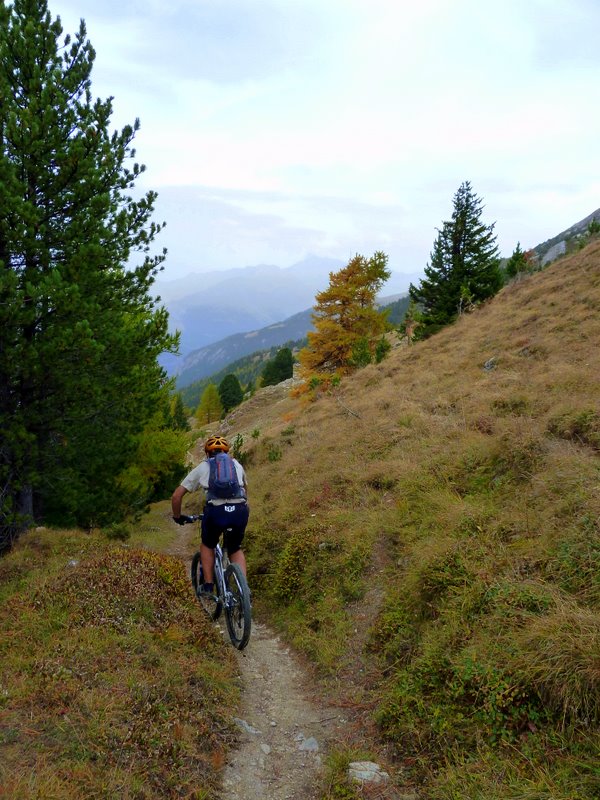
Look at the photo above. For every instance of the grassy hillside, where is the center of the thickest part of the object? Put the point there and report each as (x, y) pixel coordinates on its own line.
(113, 685)
(448, 500)
(428, 535)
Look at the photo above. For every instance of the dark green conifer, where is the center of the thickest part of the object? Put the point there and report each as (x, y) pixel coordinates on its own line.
(463, 269)
(279, 368)
(179, 417)
(230, 392)
(518, 262)
(79, 331)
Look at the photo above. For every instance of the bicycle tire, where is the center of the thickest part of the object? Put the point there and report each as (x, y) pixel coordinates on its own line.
(238, 612)
(211, 608)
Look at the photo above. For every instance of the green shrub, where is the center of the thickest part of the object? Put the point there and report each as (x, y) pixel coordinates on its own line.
(290, 565)
(441, 572)
(502, 705)
(274, 453)
(119, 531)
(511, 406)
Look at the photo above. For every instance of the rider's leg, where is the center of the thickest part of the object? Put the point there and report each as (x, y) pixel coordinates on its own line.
(238, 558)
(210, 537)
(207, 556)
(234, 536)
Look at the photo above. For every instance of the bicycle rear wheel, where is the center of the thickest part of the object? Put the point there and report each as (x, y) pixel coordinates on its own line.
(238, 612)
(213, 609)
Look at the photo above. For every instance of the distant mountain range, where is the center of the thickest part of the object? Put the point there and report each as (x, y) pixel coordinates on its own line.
(212, 357)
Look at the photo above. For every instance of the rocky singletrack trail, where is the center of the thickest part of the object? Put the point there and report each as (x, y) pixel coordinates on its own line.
(283, 733)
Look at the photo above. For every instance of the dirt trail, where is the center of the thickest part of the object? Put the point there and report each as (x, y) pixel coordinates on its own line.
(283, 733)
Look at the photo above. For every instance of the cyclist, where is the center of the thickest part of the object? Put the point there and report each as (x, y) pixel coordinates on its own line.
(229, 515)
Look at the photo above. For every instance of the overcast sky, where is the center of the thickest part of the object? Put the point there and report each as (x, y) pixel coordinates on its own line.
(273, 129)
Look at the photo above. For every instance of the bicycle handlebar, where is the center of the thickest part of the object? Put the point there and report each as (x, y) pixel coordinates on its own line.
(193, 518)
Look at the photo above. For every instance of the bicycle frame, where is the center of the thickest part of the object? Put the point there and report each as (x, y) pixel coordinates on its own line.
(231, 590)
(219, 570)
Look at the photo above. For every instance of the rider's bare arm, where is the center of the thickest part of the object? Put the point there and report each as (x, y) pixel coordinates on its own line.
(176, 499)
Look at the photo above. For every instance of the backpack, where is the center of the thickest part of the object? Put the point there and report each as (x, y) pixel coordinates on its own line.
(223, 481)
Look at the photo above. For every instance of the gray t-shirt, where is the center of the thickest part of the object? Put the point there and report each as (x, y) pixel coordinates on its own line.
(198, 478)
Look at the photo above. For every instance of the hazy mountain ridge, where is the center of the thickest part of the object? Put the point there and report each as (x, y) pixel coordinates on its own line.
(207, 307)
(210, 359)
(555, 247)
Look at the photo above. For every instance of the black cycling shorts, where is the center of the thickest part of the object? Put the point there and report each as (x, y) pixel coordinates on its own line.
(230, 520)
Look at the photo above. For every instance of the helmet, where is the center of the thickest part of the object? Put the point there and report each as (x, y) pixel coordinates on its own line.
(214, 444)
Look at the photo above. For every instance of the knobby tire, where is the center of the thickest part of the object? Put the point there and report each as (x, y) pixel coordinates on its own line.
(238, 612)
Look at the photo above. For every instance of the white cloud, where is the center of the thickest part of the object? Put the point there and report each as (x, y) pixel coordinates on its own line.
(351, 123)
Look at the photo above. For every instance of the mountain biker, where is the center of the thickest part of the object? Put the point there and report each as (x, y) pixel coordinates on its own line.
(228, 515)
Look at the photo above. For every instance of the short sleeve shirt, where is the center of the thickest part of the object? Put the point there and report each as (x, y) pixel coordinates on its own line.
(198, 478)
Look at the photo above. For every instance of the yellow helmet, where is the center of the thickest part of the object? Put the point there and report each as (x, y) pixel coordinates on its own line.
(214, 444)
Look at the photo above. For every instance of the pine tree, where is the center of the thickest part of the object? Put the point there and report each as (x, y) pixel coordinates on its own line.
(79, 332)
(463, 268)
(279, 368)
(210, 408)
(230, 392)
(178, 415)
(344, 315)
(520, 262)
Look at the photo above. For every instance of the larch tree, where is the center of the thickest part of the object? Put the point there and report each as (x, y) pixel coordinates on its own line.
(210, 408)
(463, 268)
(346, 318)
(79, 330)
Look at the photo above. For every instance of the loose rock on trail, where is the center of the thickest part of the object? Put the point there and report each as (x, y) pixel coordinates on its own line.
(282, 734)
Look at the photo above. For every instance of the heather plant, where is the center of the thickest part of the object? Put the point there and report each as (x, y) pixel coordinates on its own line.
(108, 651)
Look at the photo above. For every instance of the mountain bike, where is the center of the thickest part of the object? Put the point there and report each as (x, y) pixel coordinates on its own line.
(232, 594)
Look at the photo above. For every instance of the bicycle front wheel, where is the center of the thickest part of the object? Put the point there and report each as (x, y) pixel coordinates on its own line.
(238, 612)
(210, 606)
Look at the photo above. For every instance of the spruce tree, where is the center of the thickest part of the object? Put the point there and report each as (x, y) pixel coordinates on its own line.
(79, 330)
(279, 368)
(463, 268)
(230, 392)
(518, 262)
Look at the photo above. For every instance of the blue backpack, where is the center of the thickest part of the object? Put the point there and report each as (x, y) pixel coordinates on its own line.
(223, 481)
